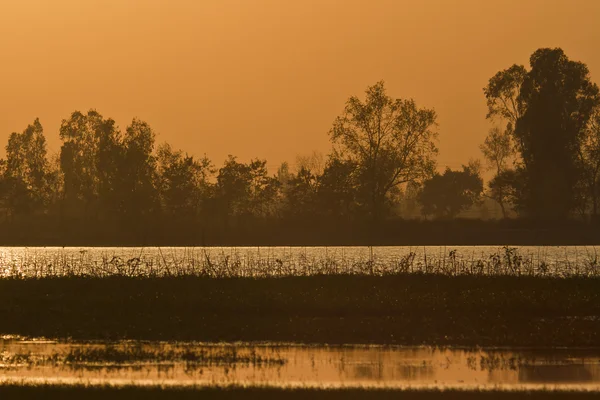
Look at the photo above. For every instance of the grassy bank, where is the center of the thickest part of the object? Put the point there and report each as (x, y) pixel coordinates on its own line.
(83, 392)
(400, 309)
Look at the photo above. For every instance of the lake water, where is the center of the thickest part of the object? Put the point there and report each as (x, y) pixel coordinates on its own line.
(35, 361)
(287, 261)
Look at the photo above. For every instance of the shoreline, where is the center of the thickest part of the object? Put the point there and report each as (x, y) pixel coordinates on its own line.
(46, 231)
(48, 391)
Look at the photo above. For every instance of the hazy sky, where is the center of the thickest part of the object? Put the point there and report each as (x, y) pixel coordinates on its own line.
(266, 78)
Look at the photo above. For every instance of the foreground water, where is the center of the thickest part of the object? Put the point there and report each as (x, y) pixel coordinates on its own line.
(293, 261)
(180, 364)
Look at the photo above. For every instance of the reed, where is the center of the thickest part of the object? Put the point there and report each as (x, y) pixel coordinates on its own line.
(204, 262)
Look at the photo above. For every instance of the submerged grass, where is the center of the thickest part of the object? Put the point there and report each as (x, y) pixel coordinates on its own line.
(24, 392)
(398, 309)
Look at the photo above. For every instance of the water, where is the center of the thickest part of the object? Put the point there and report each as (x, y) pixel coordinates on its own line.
(181, 364)
(292, 261)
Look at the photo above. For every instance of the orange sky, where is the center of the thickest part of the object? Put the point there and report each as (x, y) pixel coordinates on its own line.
(266, 78)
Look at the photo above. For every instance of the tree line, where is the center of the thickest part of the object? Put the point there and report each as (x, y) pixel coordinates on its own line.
(544, 150)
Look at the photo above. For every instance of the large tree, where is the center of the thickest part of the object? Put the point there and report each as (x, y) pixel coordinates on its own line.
(500, 148)
(390, 141)
(139, 174)
(547, 115)
(27, 176)
(559, 98)
(90, 159)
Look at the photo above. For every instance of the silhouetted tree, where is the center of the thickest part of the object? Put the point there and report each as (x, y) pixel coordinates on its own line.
(110, 172)
(559, 99)
(245, 190)
(90, 157)
(391, 142)
(589, 160)
(301, 196)
(27, 178)
(337, 190)
(139, 173)
(509, 185)
(500, 147)
(498, 152)
(445, 196)
(183, 184)
(503, 96)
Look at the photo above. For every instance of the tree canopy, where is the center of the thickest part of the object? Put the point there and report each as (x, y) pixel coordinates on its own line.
(390, 141)
(547, 111)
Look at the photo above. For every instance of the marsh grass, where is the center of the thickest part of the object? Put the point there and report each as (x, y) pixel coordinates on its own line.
(137, 354)
(408, 309)
(203, 262)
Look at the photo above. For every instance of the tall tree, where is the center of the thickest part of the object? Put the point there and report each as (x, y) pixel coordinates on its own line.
(90, 157)
(27, 176)
(500, 147)
(139, 175)
(503, 96)
(391, 142)
(559, 98)
(498, 152)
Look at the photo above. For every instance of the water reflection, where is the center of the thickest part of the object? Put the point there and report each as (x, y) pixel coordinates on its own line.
(290, 365)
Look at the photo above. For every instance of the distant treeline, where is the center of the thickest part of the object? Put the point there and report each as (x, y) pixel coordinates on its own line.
(108, 185)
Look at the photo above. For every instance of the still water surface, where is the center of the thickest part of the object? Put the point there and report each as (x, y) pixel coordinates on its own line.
(294, 365)
(287, 261)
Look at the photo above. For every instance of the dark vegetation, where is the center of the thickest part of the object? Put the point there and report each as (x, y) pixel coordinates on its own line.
(16, 391)
(124, 355)
(402, 309)
(108, 186)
